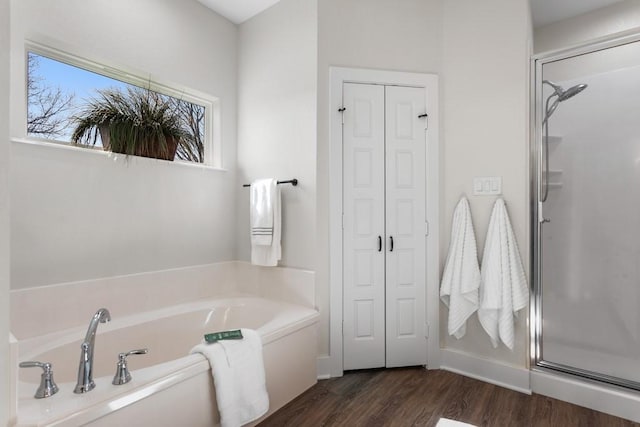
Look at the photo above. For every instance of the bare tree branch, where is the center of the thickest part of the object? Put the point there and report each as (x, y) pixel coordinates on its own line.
(193, 121)
(48, 106)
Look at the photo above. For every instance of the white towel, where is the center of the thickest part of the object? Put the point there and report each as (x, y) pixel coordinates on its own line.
(265, 217)
(237, 368)
(261, 202)
(461, 277)
(504, 288)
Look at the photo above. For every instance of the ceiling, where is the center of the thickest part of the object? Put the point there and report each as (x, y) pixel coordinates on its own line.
(543, 11)
(238, 11)
(549, 11)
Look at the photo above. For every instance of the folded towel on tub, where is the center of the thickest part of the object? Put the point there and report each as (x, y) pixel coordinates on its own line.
(237, 368)
(503, 290)
(461, 276)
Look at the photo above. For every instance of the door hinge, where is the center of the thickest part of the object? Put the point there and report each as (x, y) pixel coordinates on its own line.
(426, 228)
(425, 116)
(342, 110)
(426, 330)
(342, 221)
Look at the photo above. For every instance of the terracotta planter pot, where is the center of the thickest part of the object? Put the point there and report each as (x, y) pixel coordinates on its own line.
(172, 146)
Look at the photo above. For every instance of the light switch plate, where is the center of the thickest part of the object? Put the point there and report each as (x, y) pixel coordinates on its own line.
(487, 185)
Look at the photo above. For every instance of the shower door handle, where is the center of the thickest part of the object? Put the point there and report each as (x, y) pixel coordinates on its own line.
(541, 218)
(379, 243)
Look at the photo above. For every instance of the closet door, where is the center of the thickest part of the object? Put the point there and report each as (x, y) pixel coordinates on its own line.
(363, 224)
(405, 226)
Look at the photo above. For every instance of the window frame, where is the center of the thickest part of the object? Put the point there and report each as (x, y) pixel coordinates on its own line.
(211, 104)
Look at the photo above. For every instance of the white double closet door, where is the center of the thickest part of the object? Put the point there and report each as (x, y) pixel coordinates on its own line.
(384, 226)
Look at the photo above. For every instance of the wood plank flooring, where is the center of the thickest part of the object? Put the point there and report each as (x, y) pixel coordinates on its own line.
(416, 397)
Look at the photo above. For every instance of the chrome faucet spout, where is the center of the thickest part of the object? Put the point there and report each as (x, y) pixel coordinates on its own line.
(85, 368)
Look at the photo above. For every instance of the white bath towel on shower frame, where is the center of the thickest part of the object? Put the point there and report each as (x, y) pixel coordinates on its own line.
(504, 290)
(461, 277)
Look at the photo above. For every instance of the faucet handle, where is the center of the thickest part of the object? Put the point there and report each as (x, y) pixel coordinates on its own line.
(129, 353)
(123, 375)
(47, 386)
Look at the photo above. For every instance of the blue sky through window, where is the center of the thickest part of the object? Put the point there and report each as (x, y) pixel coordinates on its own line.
(73, 79)
(80, 83)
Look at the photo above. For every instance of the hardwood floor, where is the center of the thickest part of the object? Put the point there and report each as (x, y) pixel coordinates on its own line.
(416, 397)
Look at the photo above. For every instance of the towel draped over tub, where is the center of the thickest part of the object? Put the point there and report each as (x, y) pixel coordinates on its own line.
(237, 368)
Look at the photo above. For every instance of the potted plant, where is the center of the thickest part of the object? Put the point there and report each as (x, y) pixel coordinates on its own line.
(136, 121)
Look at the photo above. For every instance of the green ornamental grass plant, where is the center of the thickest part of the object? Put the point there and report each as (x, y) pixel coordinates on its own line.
(137, 122)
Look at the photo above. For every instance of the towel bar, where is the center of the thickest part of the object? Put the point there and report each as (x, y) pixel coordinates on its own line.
(293, 182)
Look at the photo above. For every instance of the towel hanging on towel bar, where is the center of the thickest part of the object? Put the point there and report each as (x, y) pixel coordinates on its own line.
(265, 222)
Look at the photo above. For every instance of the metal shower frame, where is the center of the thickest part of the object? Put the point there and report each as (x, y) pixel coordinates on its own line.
(537, 362)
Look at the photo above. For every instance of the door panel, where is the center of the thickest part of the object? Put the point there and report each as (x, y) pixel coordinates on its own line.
(405, 219)
(588, 252)
(363, 222)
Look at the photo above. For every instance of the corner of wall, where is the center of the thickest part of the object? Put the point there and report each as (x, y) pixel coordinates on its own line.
(7, 398)
(277, 88)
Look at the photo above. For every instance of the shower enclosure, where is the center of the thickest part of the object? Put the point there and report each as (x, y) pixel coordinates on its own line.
(585, 311)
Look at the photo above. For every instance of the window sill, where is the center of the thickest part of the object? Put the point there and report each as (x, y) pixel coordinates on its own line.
(110, 155)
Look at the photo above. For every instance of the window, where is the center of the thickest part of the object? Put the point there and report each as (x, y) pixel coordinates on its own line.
(73, 101)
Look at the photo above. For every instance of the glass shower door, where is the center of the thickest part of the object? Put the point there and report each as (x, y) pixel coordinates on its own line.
(588, 237)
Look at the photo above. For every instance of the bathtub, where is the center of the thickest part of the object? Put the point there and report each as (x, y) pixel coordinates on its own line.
(170, 387)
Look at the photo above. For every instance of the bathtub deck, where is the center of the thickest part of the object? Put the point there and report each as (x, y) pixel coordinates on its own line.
(413, 396)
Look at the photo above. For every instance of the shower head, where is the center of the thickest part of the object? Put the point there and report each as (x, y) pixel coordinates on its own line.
(572, 91)
(565, 94)
(562, 95)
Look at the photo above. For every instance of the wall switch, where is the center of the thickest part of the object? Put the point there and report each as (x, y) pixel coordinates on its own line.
(487, 185)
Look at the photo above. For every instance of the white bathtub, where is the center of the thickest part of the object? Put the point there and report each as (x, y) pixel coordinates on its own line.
(169, 386)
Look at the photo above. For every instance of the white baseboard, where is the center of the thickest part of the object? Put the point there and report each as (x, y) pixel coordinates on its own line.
(508, 376)
(324, 367)
(603, 398)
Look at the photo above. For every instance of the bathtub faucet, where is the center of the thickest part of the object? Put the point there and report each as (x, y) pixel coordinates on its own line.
(85, 369)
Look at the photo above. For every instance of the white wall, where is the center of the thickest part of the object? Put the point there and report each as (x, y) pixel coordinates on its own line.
(81, 215)
(4, 212)
(378, 34)
(277, 84)
(486, 48)
(618, 17)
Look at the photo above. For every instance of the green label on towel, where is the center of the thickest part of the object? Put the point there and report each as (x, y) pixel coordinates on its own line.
(224, 335)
